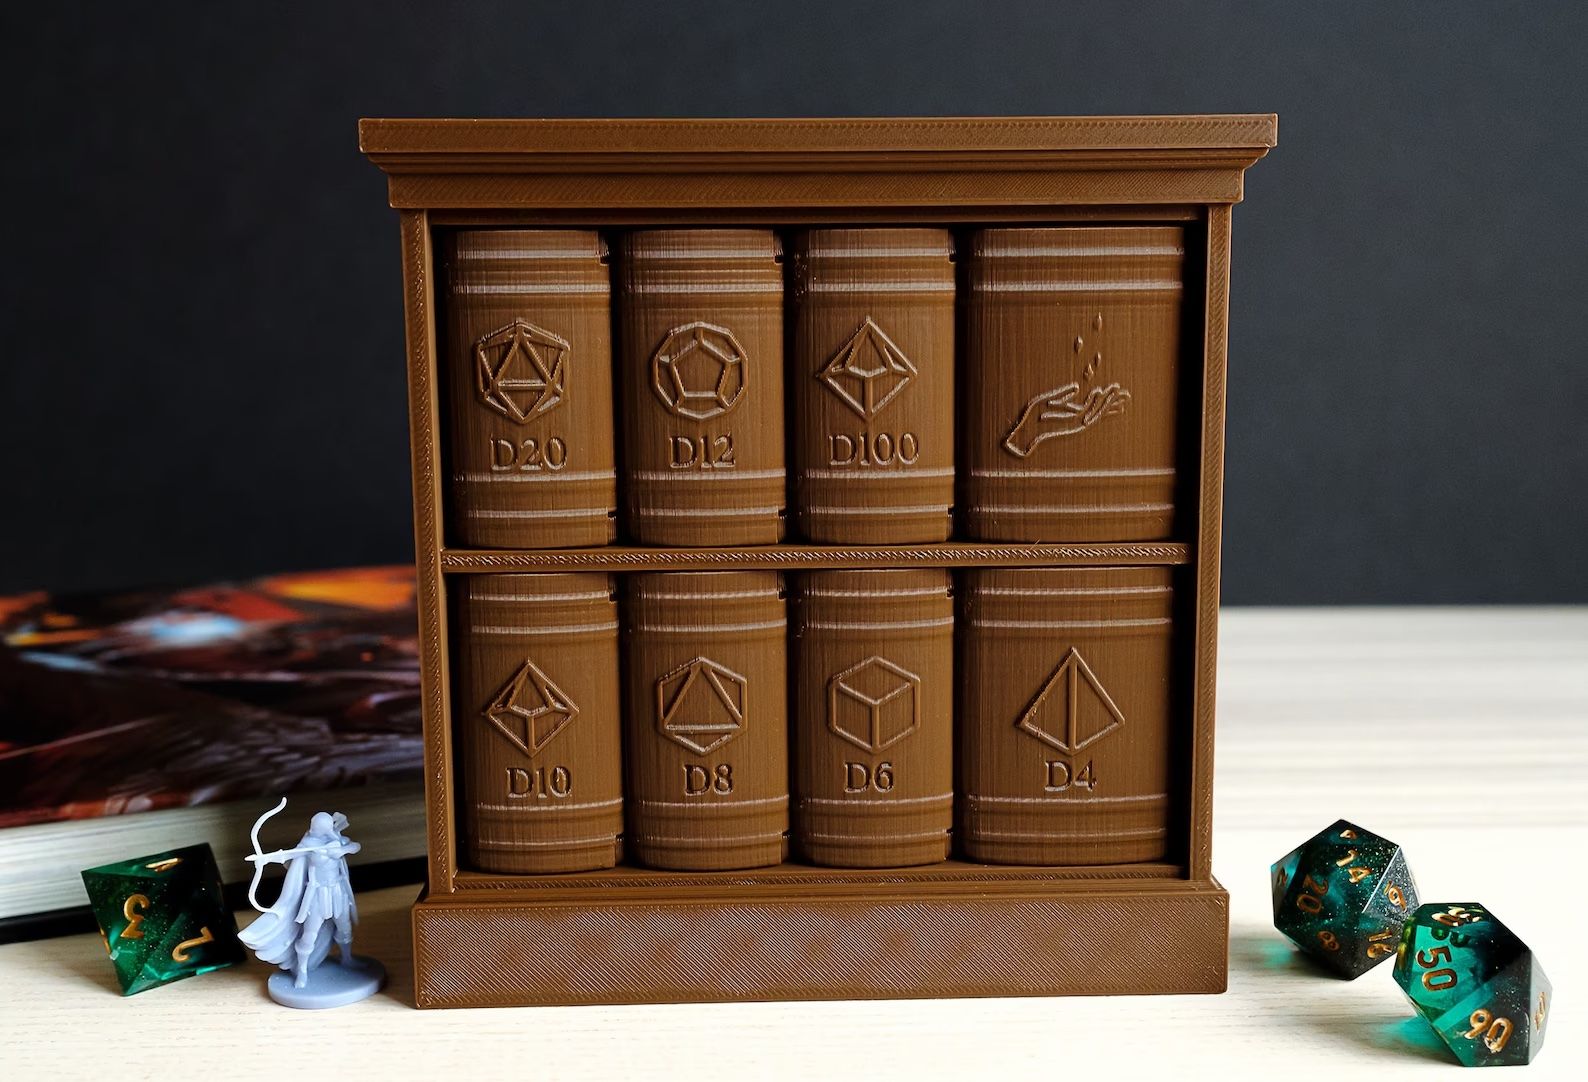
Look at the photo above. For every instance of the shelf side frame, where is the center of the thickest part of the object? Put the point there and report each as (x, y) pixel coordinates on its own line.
(419, 294)
(1205, 551)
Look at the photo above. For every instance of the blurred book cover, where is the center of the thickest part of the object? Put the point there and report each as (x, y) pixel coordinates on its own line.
(114, 703)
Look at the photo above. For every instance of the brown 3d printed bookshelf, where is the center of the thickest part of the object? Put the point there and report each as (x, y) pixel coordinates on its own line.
(1054, 224)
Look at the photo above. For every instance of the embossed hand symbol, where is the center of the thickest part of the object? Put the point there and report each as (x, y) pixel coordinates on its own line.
(1057, 413)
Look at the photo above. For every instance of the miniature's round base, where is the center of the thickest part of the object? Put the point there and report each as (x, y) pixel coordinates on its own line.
(330, 984)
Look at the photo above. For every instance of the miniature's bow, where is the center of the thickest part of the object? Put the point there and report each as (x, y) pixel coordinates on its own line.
(259, 856)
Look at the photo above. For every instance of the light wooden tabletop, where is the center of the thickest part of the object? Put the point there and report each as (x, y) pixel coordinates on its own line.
(1460, 733)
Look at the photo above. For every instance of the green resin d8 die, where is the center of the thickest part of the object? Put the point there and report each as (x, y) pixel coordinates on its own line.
(1342, 896)
(1478, 985)
(163, 917)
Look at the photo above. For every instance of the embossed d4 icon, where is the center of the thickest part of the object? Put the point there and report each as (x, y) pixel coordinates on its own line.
(874, 704)
(1071, 710)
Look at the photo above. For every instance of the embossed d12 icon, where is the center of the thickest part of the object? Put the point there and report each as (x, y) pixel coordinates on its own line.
(535, 722)
(1064, 715)
(1071, 383)
(875, 717)
(873, 362)
(1342, 895)
(701, 342)
(526, 350)
(1476, 983)
(707, 719)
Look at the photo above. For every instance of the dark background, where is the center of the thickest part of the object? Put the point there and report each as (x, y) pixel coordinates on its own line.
(203, 370)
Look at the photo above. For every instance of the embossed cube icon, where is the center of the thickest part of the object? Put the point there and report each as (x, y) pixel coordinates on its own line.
(529, 709)
(701, 705)
(520, 370)
(699, 371)
(1072, 709)
(868, 371)
(874, 704)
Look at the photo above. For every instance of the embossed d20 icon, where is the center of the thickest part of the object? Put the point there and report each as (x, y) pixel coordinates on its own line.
(521, 370)
(868, 371)
(1072, 709)
(1476, 983)
(529, 709)
(701, 705)
(1341, 896)
(698, 371)
(163, 917)
(874, 704)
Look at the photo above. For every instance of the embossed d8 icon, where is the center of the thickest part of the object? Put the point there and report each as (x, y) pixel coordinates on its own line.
(1475, 982)
(1342, 897)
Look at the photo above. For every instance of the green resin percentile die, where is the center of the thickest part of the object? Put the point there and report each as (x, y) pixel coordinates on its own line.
(1475, 982)
(1342, 896)
(163, 917)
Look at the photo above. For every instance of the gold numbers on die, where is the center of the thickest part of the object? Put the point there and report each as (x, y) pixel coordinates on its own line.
(179, 953)
(1311, 903)
(133, 909)
(1496, 1032)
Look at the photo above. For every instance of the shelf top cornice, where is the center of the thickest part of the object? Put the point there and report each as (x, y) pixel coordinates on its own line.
(796, 144)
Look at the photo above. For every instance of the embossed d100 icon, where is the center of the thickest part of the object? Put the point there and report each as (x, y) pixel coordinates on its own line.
(874, 385)
(527, 357)
(535, 719)
(874, 730)
(1065, 715)
(1072, 383)
(701, 341)
(707, 719)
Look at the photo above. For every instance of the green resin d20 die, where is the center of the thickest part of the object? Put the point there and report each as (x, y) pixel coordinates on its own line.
(163, 917)
(1342, 896)
(1475, 982)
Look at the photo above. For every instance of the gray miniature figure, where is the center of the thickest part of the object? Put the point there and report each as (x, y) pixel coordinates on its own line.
(315, 909)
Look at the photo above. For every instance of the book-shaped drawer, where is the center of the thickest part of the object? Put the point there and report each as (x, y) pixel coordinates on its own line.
(1072, 343)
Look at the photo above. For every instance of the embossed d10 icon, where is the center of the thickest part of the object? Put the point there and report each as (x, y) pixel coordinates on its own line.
(701, 341)
(1071, 383)
(535, 722)
(1064, 714)
(874, 731)
(526, 350)
(874, 385)
(707, 720)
